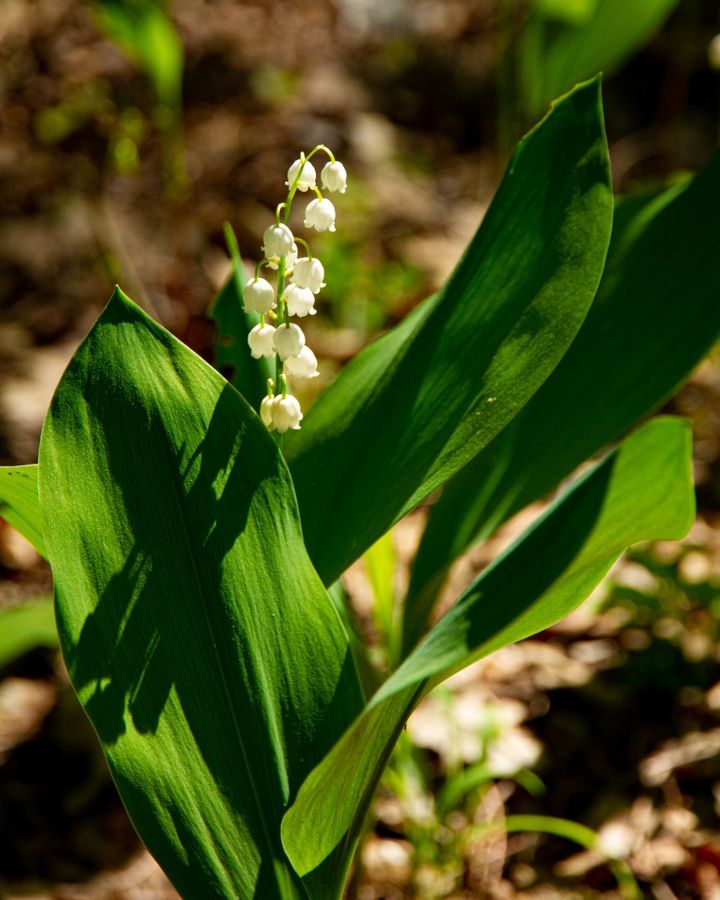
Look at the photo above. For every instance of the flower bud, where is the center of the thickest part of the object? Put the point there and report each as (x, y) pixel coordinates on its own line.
(286, 413)
(309, 273)
(258, 296)
(320, 215)
(277, 241)
(304, 365)
(266, 412)
(288, 340)
(260, 341)
(334, 177)
(307, 175)
(300, 301)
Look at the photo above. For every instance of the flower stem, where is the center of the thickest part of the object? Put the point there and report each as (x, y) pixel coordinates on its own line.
(324, 149)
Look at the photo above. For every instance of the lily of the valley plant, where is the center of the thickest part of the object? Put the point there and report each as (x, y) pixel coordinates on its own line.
(192, 554)
(284, 341)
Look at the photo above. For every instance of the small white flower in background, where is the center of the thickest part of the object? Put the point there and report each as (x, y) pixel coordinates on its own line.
(260, 341)
(304, 365)
(320, 215)
(266, 412)
(288, 340)
(258, 296)
(309, 273)
(277, 241)
(300, 301)
(617, 839)
(334, 177)
(307, 175)
(286, 413)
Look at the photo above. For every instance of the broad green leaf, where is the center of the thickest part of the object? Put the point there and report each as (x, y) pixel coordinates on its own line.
(232, 357)
(19, 504)
(642, 490)
(25, 627)
(655, 316)
(594, 36)
(420, 402)
(197, 635)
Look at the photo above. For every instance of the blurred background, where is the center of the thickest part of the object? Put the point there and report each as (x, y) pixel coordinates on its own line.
(130, 131)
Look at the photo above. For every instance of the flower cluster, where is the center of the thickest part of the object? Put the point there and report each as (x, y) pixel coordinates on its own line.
(299, 280)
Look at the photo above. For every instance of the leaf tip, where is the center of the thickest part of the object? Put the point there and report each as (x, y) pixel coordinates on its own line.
(292, 849)
(120, 298)
(588, 93)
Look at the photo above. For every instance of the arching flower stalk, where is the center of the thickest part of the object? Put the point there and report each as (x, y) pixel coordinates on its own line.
(279, 338)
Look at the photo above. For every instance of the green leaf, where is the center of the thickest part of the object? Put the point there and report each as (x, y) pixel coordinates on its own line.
(25, 627)
(148, 37)
(197, 635)
(380, 563)
(575, 12)
(655, 316)
(420, 402)
(19, 503)
(642, 490)
(594, 36)
(232, 356)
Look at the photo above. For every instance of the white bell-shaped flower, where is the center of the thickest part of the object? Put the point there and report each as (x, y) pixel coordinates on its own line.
(320, 215)
(277, 241)
(300, 301)
(304, 365)
(334, 177)
(260, 341)
(290, 260)
(258, 296)
(286, 413)
(266, 412)
(288, 340)
(309, 273)
(307, 180)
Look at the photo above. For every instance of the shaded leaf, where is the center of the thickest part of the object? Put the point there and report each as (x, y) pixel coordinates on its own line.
(420, 402)
(564, 41)
(232, 355)
(655, 316)
(642, 490)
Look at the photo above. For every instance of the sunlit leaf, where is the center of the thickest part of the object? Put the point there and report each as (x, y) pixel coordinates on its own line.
(25, 627)
(19, 504)
(197, 635)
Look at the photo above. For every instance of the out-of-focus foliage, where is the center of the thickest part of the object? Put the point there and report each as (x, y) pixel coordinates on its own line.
(26, 627)
(564, 41)
(146, 34)
(144, 31)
